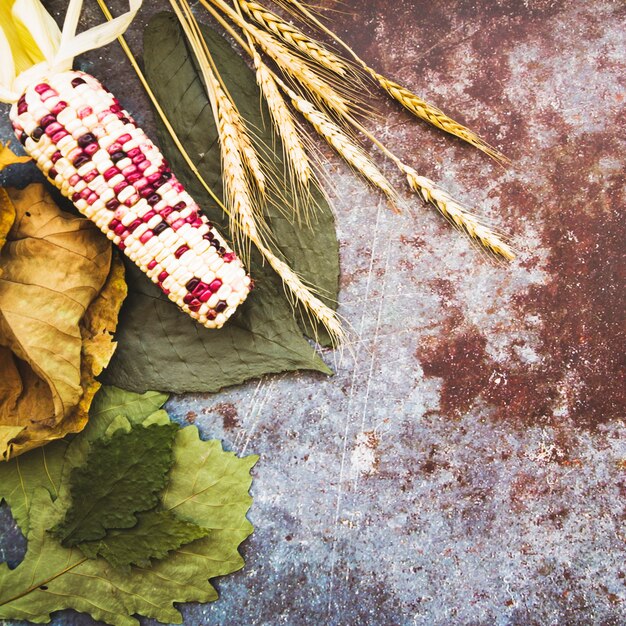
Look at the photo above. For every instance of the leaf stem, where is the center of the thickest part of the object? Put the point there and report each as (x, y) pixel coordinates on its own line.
(43, 582)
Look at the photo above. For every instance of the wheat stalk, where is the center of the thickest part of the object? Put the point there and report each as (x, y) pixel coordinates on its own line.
(294, 37)
(458, 214)
(413, 103)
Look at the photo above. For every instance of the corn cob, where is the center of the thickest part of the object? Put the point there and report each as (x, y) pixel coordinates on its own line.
(92, 151)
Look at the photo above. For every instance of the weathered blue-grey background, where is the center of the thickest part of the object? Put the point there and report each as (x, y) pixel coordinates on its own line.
(466, 464)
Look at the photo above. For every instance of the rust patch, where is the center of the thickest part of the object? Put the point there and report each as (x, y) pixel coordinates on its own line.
(581, 370)
(228, 411)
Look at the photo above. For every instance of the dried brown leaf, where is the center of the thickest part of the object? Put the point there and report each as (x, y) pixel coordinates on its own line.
(60, 292)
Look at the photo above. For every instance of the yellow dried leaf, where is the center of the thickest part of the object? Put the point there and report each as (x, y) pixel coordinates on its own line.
(8, 157)
(60, 293)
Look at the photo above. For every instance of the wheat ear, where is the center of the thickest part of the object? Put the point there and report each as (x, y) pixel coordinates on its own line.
(284, 123)
(431, 114)
(458, 214)
(413, 103)
(342, 144)
(291, 64)
(293, 36)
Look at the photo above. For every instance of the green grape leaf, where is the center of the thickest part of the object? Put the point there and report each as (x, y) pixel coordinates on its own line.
(208, 487)
(42, 467)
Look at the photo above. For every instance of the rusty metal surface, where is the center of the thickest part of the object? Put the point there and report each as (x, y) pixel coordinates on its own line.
(466, 464)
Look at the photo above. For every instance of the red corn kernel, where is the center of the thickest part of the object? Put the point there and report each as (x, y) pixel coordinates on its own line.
(166, 291)
(121, 245)
(81, 159)
(152, 264)
(166, 211)
(127, 171)
(211, 314)
(178, 187)
(180, 251)
(200, 289)
(115, 108)
(112, 204)
(141, 183)
(188, 298)
(124, 138)
(84, 112)
(132, 200)
(92, 148)
(177, 224)
(52, 128)
(114, 147)
(140, 158)
(92, 198)
(46, 120)
(180, 206)
(229, 257)
(125, 235)
(144, 165)
(192, 216)
(133, 178)
(146, 192)
(146, 236)
(197, 223)
(52, 173)
(56, 156)
(133, 225)
(119, 187)
(75, 197)
(195, 306)
(42, 88)
(134, 152)
(215, 285)
(85, 193)
(153, 199)
(58, 107)
(22, 108)
(149, 215)
(162, 276)
(154, 177)
(119, 229)
(113, 223)
(58, 136)
(89, 176)
(110, 173)
(74, 180)
(204, 297)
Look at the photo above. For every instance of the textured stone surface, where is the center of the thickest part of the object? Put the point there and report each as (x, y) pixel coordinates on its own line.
(466, 464)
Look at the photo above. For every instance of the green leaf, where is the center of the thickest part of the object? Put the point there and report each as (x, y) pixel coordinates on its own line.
(208, 487)
(172, 352)
(156, 534)
(122, 476)
(43, 467)
(21, 476)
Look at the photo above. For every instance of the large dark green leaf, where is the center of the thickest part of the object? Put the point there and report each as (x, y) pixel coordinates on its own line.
(158, 346)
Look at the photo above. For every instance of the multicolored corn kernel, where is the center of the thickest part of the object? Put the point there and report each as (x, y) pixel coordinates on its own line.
(90, 148)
